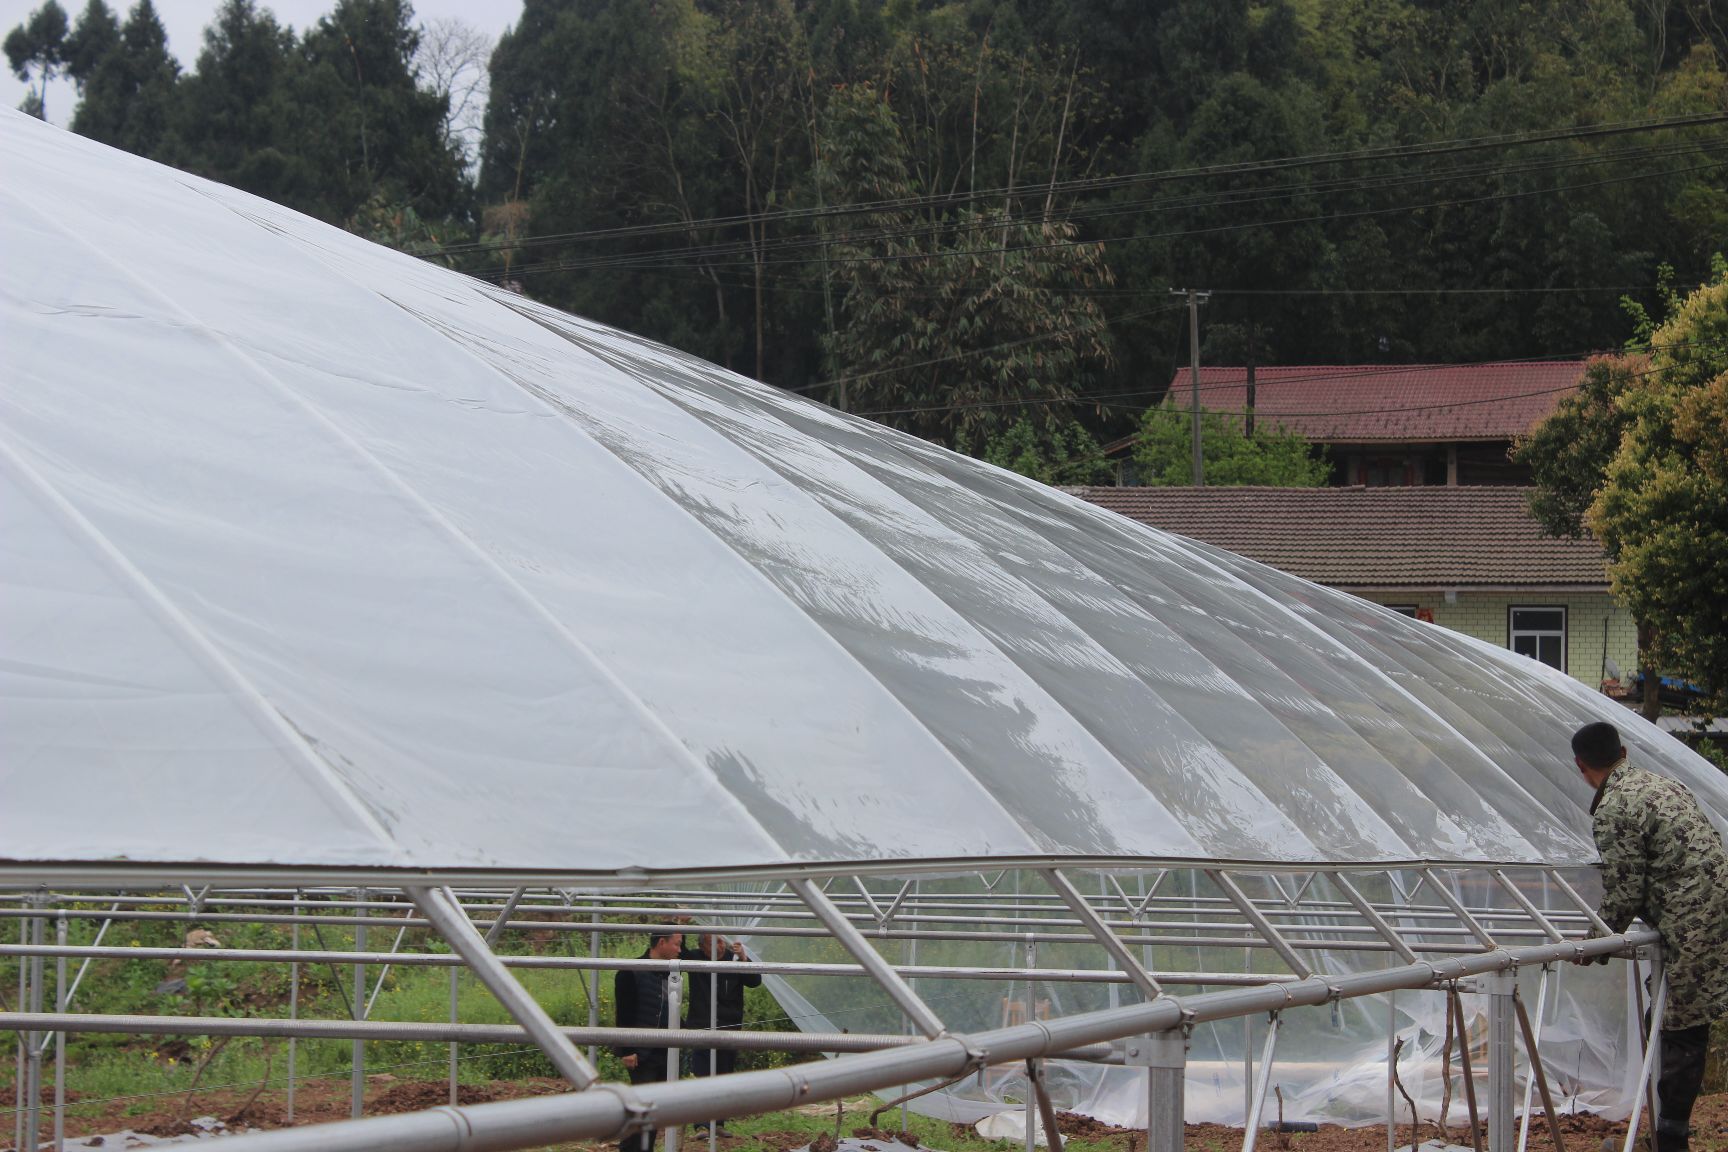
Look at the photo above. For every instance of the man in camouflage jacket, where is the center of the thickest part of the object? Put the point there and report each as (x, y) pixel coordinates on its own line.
(1663, 862)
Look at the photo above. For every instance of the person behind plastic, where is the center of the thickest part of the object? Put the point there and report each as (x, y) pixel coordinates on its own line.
(722, 1010)
(640, 1000)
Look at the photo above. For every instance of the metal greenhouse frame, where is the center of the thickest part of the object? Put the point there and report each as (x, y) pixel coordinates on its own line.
(1424, 937)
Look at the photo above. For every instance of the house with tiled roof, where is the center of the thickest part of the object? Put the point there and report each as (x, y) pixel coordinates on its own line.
(1389, 425)
(1470, 558)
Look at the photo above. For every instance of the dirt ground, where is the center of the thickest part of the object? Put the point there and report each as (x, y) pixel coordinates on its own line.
(324, 1101)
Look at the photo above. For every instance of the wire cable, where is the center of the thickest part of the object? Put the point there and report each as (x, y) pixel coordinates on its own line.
(1101, 183)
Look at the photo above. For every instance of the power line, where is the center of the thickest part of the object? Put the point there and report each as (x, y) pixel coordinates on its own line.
(1353, 374)
(1075, 330)
(1173, 234)
(806, 286)
(934, 229)
(1105, 183)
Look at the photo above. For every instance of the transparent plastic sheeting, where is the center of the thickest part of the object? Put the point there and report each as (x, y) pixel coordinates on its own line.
(315, 554)
(1330, 1062)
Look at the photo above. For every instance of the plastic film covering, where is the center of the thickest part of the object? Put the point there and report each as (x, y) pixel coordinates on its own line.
(1330, 1061)
(314, 554)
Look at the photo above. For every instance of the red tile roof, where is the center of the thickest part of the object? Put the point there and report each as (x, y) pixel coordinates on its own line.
(1432, 537)
(1352, 404)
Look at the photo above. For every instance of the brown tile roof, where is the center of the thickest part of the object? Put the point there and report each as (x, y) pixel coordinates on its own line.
(1432, 537)
(1349, 404)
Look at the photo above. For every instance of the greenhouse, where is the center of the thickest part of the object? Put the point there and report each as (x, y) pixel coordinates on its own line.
(340, 588)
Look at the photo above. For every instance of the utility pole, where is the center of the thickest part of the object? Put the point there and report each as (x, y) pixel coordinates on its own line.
(1253, 355)
(1196, 297)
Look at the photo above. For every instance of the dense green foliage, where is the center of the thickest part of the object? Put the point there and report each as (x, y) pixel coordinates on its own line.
(1661, 510)
(1062, 454)
(328, 121)
(837, 194)
(959, 216)
(1568, 453)
(1271, 457)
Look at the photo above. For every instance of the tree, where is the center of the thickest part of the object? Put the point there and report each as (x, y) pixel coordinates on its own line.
(1568, 455)
(235, 117)
(362, 124)
(1063, 454)
(752, 101)
(1568, 452)
(96, 34)
(451, 60)
(1662, 510)
(1272, 457)
(38, 46)
(956, 328)
(129, 88)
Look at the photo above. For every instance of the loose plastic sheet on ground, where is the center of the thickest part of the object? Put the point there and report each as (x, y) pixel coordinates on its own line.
(315, 554)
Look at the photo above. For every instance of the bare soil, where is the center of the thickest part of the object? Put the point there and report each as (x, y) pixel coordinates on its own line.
(322, 1101)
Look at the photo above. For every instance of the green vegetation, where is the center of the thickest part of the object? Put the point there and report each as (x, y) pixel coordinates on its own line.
(961, 216)
(1639, 458)
(1163, 453)
(144, 1072)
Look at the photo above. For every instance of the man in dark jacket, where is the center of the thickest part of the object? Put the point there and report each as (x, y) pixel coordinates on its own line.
(641, 1002)
(725, 1010)
(1664, 863)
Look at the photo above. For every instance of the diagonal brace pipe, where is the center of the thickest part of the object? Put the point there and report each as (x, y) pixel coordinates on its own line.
(1094, 924)
(879, 969)
(439, 905)
(1261, 924)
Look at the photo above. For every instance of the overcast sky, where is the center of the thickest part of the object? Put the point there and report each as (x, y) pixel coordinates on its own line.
(185, 20)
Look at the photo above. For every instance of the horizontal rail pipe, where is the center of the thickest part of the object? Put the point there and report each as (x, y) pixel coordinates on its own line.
(1006, 936)
(610, 1112)
(435, 1031)
(622, 963)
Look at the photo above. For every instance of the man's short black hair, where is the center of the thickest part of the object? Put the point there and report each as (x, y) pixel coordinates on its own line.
(1598, 744)
(654, 938)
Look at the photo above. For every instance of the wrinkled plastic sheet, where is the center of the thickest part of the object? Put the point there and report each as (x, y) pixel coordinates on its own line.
(315, 554)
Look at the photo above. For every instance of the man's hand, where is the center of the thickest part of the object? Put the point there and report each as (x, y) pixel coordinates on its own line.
(630, 1060)
(737, 950)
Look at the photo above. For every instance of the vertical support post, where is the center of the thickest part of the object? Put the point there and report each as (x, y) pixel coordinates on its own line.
(19, 1075)
(593, 993)
(713, 1053)
(1502, 1058)
(1031, 1070)
(357, 1076)
(60, 1037)
(293, 1003)
(1198, 468)
(1166, 1087)
(1391, 1072)
(674, 1062)
(1247, 1046)
(33, 1085)
(912, 983)
(455, 1012)
(1164, 1055)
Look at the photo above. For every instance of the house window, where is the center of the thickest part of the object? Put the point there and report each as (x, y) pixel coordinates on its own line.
(1539, 633)
(1404, 609)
